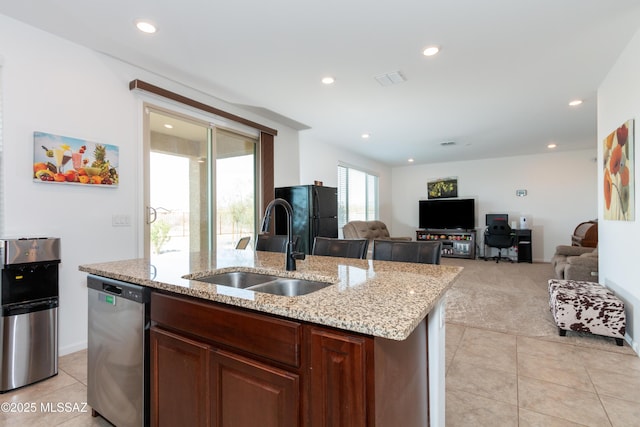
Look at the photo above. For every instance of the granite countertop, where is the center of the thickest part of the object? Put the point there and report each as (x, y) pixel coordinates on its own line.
(379, 298)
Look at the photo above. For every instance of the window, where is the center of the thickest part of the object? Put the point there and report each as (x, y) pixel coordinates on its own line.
(357, 195)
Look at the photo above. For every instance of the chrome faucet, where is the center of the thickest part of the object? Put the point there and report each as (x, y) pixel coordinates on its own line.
(291, 256)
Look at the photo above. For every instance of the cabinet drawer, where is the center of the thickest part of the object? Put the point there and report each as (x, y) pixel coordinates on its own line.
(261, 335)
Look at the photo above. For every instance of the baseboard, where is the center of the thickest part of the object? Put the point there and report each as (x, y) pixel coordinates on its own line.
(634, 345)
(68, 349)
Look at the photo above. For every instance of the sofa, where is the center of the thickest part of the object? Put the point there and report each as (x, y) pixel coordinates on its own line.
(368, 230)
(372, 230)
(575, 263)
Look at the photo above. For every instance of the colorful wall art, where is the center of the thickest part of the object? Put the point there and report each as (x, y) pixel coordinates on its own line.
(65, 160)
(619, 170)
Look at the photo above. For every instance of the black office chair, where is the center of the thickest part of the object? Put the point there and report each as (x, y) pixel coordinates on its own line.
(274, 243)
(345, 248)
(243, 243)
(405, 251)
(499, 235)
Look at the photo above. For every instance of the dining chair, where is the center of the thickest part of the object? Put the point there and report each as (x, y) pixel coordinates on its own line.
(345, 248)
(419, 252)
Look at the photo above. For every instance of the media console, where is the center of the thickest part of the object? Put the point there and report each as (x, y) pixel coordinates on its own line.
(455, 243)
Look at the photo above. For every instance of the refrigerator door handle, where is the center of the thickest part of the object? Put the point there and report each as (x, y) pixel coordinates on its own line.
(315, 213)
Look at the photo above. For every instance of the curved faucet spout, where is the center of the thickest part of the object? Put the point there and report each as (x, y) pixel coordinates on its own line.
(291, 256)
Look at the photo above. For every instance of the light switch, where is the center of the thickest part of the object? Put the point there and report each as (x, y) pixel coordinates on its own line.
(120, 220)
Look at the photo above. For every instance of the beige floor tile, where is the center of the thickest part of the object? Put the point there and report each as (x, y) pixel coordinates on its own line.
(466, 409)
(528, 418)
(550, 350)
(75, 364)
(555, 371)
(454, 333)
(622, 413)
(610, 361)
(487, 382)
(490, 338)
(613, 384)
(448, 359)
(50, 409)
(562, 402)
(86, 420)
(34, 391)
(452, 341)
(487, 356)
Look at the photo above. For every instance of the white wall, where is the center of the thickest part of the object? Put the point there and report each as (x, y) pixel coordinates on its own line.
(319, 162)
(561, 193)
(51, 85)
(619, 101)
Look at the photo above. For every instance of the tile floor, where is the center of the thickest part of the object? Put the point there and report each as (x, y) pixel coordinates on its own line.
(499, 379)
(492, 379)
(39, 404)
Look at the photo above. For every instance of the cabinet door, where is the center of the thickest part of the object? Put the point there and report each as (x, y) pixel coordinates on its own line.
(179, 380)
(247, 393)
(338, 379)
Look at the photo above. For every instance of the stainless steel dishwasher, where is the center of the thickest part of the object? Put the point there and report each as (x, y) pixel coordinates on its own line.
(118, 368)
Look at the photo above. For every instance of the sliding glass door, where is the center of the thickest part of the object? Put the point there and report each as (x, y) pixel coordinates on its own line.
(235, 187)
(200, 185)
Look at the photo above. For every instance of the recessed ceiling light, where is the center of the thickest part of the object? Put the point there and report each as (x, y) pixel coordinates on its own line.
(410, 160)
(145, 26)
(575, 102)
(431, 50)
(552, 145)
(366, 136)
(168, 126)
(328, 80)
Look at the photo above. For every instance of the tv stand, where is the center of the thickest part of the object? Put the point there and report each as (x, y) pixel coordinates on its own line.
(455, 243)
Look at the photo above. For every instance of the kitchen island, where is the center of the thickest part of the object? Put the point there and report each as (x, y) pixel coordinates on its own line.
(366, 350)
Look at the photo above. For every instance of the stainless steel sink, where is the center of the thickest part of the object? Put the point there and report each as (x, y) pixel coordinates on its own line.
(265, 283)
(289, 287)
(238, 279)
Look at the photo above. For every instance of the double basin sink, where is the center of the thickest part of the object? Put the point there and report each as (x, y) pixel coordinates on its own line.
(266, 283)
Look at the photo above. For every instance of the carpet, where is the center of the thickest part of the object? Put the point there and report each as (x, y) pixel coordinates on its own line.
(511, 298)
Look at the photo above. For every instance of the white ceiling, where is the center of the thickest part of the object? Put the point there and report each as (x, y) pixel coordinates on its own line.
(500, 86)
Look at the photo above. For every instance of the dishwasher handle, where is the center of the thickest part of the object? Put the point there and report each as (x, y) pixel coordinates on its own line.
(111, 289)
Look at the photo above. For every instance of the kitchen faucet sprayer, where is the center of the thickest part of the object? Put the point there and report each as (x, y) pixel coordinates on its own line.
(291, 256)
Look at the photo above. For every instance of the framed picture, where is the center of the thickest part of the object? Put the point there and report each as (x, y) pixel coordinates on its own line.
(442, 188)
(65, 160)
(619, 171)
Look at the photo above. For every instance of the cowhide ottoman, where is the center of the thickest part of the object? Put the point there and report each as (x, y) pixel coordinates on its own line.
(586, 307)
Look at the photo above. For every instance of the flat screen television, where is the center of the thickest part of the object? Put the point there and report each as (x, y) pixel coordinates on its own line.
(447, 213)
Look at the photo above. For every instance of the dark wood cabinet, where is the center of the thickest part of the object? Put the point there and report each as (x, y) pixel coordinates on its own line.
(179, 384)
(217, 365)
(246, 392)
(338, 379)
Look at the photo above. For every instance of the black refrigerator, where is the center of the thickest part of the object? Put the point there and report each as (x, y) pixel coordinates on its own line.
(315, 213)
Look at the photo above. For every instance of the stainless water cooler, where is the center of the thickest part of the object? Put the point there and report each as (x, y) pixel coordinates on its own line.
(29, 304)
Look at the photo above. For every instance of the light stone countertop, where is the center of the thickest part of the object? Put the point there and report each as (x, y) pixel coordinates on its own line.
(379, 298)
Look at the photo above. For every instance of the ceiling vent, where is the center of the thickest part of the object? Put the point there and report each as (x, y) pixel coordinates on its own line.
(392, 78)
(447, 143)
